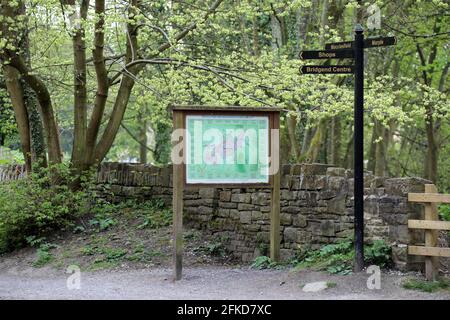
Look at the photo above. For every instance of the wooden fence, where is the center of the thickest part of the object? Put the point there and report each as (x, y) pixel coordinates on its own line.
(431, 225)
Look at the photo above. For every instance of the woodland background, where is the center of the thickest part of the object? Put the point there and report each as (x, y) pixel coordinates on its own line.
(88, 81)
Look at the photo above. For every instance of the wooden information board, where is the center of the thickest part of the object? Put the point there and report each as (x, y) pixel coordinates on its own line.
(222, 147)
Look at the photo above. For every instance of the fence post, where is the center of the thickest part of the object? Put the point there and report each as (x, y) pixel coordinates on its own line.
(431, 236)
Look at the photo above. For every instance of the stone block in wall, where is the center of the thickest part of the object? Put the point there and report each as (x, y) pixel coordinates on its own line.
(288, 195)
(402, 186)
(222, 212)
(338, 184)
(399, 233)
(299, 221)
(245, 217)
(335, 172)
(228, 205)
(263, 237)
(285, 169)
(207, 193)
(199, 202)
(345, 233)
(285, 219)
(234, 214)
(241, 197)
(246, 207)
(257, 215)
(327, 228)
(290, 234)
(337, 204)
(252, 227)
(116, 189)
(225, 196)
(205, 210)
(261, 198)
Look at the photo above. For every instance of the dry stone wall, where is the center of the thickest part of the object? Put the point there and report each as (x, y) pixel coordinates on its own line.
(316, 208)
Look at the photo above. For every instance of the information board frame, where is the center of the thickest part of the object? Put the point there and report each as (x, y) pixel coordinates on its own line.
(232, 111)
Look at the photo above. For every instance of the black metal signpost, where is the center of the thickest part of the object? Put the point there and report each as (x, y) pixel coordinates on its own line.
(355, 50)
(358, 150)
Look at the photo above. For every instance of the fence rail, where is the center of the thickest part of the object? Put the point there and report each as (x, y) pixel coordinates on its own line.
(431, 225)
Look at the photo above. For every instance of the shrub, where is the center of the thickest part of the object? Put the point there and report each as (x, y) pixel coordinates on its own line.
(427, 286)
(35, 206)
(338, 258)
(263, 262)
(379, 253)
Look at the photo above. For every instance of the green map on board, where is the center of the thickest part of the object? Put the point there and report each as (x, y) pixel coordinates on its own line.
(227, 149)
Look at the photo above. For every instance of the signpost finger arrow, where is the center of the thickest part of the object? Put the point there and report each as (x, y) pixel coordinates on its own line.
(368, 43)
(326, 69)
(326, 54)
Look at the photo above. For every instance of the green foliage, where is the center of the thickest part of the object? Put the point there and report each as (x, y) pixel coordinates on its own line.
(34, 207)
(427, 286)
(338, 258)
(154, 214)
(379, 253)
(263, 262)
(10, 156)
(444, 212)
(44, 256)
(102, 223)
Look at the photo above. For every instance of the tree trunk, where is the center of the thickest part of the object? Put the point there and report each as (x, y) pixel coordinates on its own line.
(16, 94)
(80, 89)
(291, 123)
(317, 142)
(143, 141)
(334, 142)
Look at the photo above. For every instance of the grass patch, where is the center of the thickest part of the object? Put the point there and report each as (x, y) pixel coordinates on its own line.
(43, 255)
(427, 286)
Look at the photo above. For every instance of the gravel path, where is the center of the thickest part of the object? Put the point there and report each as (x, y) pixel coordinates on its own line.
(198, 283)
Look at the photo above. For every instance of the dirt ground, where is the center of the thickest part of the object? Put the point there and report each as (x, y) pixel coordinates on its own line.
(126, 261)
(214, 282)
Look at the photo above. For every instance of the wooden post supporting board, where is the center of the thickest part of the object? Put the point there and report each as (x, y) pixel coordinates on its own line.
(275, 193)
(178, 186)
(431, 236)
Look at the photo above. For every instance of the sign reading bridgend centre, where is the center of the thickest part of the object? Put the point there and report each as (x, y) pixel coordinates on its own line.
(231, 149)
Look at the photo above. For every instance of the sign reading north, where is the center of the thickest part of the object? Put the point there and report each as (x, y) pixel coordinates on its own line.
(231, 149)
